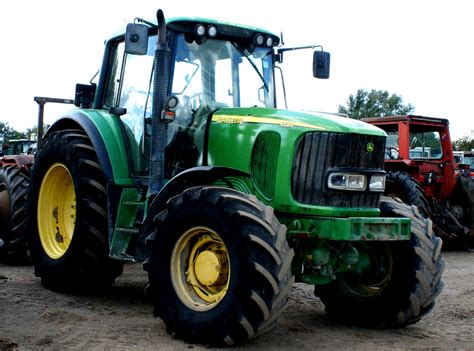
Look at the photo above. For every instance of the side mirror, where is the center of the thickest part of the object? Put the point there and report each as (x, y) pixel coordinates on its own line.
(321, 64)
(136, 39)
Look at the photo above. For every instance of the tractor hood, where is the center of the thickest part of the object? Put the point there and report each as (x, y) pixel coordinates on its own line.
(316, 121)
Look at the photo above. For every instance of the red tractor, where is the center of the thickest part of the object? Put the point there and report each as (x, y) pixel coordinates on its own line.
(422, 171)
(14, 183)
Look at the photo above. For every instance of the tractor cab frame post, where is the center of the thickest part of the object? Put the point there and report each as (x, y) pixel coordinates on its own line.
(41, 100)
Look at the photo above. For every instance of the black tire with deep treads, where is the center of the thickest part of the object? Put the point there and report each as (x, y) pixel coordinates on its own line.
(413, 285)
(260, 262)
(85, 266)
(13, 214)
(407, 188)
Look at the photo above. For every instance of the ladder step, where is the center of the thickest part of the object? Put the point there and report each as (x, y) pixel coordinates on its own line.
(127, 230)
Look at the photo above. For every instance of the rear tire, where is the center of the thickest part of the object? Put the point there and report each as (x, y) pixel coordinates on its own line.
(67, 209)
(406, 292)
(13, 215)
(212, 224)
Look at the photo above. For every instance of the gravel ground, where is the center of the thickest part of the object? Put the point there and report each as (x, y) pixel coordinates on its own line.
(32, 317)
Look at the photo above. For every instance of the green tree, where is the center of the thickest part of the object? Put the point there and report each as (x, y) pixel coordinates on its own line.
(31, 132)
(464, 143)
(9, 133)
(375, 103)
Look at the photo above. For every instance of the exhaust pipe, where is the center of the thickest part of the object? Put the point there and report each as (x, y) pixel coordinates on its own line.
(160, 89)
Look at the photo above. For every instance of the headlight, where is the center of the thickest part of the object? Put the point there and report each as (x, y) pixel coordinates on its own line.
(269, 41)
(377, 183)
(212, 31)
(347, 181)
(200, 30)
(258, 39)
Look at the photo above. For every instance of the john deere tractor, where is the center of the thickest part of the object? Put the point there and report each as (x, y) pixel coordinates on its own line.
(179, 158)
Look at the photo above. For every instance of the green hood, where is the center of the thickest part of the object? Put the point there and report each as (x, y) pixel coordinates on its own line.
(294, 119)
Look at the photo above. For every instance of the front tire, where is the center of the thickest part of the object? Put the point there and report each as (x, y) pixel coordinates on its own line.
(219, 268)
(67, 209)
(403, 284)
(13, 214)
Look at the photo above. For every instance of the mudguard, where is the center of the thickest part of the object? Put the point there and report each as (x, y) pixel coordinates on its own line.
(107, 139)
(196, 176)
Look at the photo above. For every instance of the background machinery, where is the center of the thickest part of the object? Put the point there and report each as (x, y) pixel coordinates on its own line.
(15, 165)
(16, 161)
(422, 171)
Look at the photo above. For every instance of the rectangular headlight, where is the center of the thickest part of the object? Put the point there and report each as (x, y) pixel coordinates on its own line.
(347, 181)
(377, 182)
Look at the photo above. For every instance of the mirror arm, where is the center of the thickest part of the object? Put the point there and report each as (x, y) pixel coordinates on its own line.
(282, 50)
(279, 53)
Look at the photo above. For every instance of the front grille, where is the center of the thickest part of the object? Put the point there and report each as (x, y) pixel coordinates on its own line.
(264, 162)
(318, 152)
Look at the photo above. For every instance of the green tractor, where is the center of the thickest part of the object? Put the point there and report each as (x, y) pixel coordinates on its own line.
(179, 158)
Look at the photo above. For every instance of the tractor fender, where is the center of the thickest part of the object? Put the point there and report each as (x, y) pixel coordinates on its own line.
(196, 176)
(97, 129)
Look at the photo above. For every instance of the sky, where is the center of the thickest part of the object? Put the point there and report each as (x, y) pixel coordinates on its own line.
(421, 50)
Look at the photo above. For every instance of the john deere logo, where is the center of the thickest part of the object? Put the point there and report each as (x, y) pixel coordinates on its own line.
(370, 147)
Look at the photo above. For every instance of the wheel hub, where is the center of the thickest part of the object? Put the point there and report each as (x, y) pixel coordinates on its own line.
(200, 268)
(207, 267)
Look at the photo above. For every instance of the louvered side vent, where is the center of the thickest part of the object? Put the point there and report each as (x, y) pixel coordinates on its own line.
(319, 151)
(264, 162)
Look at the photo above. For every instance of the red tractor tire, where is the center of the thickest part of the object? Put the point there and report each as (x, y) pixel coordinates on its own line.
(14, 183)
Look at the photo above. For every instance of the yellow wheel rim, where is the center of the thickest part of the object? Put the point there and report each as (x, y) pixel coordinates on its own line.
(200, 268)
(56, 210)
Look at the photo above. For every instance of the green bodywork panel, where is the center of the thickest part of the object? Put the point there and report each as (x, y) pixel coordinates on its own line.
(124, 229)
(233, 133)
(349, 229)
(110, 130)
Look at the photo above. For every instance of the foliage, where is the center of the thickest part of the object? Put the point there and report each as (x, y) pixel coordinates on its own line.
(9, 133)
(31, 132)
(376, 103)
(464, 143)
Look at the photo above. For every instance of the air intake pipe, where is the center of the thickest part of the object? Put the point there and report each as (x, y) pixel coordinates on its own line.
(160, 89)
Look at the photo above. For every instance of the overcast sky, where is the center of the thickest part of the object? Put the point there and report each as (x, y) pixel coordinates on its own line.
(422, 50)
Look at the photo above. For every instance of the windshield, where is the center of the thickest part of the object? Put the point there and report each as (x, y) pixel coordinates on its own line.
(219, 73)
(425, 142)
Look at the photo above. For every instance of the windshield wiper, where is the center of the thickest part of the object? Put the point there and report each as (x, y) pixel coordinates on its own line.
(243, 53)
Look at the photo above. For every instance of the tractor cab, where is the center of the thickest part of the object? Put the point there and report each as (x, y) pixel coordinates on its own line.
(420, 146)
(211, 65)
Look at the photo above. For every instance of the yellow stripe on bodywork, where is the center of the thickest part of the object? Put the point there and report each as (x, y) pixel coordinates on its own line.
(225, 119)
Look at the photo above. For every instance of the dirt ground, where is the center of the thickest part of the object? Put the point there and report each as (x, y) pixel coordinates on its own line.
(32, 317)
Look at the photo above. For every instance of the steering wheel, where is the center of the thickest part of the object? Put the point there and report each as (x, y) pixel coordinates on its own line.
(392, 152)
